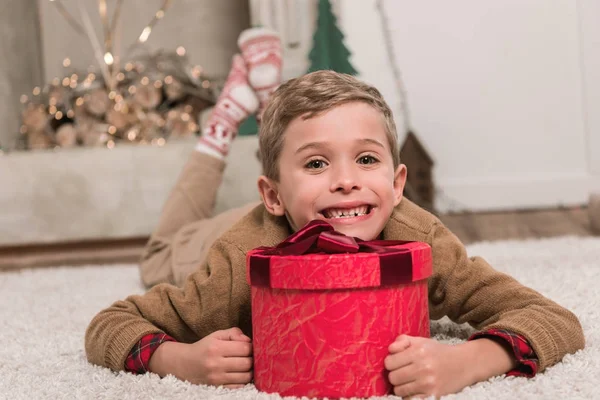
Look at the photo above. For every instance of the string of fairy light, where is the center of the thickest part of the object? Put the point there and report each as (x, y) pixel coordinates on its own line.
(109, 27)
(116, 80)
(391, 54)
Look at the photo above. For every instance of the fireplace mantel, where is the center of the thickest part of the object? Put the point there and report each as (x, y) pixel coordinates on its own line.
(100, 194)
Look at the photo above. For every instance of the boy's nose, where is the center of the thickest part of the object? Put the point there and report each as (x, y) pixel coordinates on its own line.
(345, 182)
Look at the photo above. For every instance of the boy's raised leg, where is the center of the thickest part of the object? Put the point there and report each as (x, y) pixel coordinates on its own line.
(194, 195)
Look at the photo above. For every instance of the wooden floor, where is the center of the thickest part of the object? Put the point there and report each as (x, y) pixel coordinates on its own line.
(469, 227)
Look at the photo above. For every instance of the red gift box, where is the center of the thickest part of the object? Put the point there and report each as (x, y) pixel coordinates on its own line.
(326, 307)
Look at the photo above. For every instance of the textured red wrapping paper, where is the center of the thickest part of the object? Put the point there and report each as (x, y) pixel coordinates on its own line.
(325, 308)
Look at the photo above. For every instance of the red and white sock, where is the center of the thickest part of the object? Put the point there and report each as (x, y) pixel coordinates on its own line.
(235, 103)
(261, 49)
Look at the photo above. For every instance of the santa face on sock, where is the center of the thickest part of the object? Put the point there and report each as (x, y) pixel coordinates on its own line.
(261, 50)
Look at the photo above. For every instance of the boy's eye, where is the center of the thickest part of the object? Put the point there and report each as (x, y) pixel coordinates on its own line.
(367, 160)
(315, 164)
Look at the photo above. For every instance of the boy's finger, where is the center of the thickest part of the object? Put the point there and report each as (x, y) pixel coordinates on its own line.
(410, 390)
(231, 334)
(396, 361)
(237, 334)
(403, 337)
(242, 338)
(238, 364)
(238, 378)
(400, 344)
(223, 335)
(236, 348)
(402, 375)
(236, 386)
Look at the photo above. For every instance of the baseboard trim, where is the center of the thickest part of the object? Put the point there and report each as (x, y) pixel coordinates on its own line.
(504, 194)
(72, 253)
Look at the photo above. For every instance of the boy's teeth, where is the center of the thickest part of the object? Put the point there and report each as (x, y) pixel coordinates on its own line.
(347, 213)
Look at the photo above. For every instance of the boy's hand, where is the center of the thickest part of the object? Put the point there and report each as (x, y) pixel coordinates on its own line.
(424, 367)
(223, 358)
(421, 367)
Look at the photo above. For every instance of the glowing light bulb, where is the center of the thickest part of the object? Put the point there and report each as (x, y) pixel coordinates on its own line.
(108, 58)
(145, 33)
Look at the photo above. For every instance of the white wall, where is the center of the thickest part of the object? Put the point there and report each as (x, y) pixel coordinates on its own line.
(496, 92)
(589, 11)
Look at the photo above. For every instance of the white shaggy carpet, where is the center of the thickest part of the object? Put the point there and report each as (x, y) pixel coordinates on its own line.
(44, 313)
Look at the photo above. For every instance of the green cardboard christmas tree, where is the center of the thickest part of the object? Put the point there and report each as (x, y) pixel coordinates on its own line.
(249, 127)
(329, 51)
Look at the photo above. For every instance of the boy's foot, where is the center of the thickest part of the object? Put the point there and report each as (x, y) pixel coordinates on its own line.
(261, 49)
(236, 102)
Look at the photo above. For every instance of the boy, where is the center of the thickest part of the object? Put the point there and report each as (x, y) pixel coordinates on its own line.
(329, 151)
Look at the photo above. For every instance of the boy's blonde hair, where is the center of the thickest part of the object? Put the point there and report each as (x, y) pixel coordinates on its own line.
(309, 96)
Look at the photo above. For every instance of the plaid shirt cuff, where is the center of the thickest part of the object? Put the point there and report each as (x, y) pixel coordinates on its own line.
(527, 361)
(139, 357)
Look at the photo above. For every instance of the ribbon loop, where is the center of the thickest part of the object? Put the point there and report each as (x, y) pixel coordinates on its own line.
(319, 237)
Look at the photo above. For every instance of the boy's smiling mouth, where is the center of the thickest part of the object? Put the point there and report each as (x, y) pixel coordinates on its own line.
(346, 212)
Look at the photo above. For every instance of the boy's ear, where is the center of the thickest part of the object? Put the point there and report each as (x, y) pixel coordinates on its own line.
(399, 182)
(270, 196)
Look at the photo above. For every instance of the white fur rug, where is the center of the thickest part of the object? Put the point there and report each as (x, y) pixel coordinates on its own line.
(44, 313)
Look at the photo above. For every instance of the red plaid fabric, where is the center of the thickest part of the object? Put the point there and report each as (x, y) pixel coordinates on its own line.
(139, 357)
(526, 358)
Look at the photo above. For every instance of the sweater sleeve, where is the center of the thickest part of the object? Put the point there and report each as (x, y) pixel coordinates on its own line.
(527, 361)
(470, 290)
(215, 297)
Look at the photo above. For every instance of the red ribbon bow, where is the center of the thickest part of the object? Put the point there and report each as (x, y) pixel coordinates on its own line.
(318, 236)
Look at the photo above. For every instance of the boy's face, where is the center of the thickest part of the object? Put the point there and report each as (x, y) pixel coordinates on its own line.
(337, 167)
